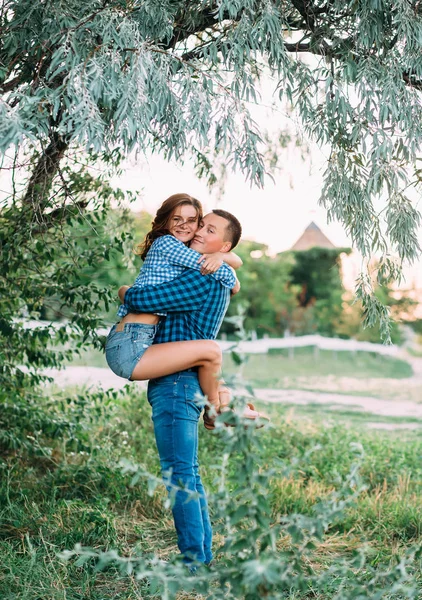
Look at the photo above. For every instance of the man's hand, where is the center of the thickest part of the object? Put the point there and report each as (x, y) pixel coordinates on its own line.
(210, 262)
(122, 291)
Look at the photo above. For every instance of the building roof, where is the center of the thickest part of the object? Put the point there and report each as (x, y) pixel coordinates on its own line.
(312, 237)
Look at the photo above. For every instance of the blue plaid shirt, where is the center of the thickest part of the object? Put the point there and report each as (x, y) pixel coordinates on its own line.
(195, 305)
(168, 258)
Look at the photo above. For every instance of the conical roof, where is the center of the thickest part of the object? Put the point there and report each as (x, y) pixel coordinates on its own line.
(312, 237)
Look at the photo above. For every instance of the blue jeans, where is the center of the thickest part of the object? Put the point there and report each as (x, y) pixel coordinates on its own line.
(175, 414)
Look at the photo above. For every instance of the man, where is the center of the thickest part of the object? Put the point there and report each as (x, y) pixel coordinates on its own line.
(195, 307)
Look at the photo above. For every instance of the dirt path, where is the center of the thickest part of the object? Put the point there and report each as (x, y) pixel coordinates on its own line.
(376, 406)
(94, 377)
(90, 377)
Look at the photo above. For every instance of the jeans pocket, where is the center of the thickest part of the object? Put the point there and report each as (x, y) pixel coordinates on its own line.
(112, 354)
(194, 400)
(140, 335)
(114, 339)
(139, 347)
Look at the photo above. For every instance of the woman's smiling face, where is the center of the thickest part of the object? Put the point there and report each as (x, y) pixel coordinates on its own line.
(183, 223)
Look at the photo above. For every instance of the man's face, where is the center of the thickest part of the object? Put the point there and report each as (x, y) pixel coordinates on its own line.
(210, 237)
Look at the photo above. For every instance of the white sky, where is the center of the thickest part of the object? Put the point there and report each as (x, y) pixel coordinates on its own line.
(275, 215)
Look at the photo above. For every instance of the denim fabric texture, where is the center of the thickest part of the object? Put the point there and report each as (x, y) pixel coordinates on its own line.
(177, 402)
(125, 348)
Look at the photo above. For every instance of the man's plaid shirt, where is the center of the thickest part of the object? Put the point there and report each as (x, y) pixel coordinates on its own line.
(168, 258)
(195, 305)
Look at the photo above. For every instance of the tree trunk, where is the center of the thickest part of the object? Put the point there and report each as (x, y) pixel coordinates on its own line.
(42, 178)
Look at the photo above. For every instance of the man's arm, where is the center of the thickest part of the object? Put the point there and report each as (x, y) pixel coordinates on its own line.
(184, 294)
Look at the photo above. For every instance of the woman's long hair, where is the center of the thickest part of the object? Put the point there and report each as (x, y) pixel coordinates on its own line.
(164, 213)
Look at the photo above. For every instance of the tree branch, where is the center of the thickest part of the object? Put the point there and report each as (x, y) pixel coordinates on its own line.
(298, 47)
(58, 215)
(182, 32)
(10, 85)
(306, 11)
(410, 79)
(407, 78)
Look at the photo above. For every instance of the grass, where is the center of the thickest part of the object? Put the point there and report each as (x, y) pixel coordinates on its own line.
(415, 351)
(349, 417)
(270, 370)
(70, 490)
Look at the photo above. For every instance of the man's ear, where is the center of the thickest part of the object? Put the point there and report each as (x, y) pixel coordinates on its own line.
(226, 247)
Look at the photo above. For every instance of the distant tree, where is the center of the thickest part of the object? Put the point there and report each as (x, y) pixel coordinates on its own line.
(117, 267)
(400, 303)
(266, 293)
(317, 272)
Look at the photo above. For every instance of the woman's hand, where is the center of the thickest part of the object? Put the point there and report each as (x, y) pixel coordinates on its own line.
(210, 262)
(122, 291)
(236, 288)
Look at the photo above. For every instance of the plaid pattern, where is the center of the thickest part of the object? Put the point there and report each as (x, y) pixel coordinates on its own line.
(195, 306)
(168, 258)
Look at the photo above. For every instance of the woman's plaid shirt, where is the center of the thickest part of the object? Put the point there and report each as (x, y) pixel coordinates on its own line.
(167, 259)
(195, 306)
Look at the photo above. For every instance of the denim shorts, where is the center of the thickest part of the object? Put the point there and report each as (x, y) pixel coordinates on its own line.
(125, 348)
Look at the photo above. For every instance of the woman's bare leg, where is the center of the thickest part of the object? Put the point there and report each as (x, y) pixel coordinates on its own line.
(165, 359)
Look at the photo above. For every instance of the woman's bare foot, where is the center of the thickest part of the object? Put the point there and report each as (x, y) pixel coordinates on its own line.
(251, 413)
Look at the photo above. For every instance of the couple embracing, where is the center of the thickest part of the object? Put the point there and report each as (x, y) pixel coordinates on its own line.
(170, 319)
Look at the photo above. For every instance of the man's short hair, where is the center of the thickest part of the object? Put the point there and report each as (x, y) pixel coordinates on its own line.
(233, 228)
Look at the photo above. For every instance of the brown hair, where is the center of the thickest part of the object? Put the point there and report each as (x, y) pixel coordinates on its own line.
(164, 213)
(233, 227)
